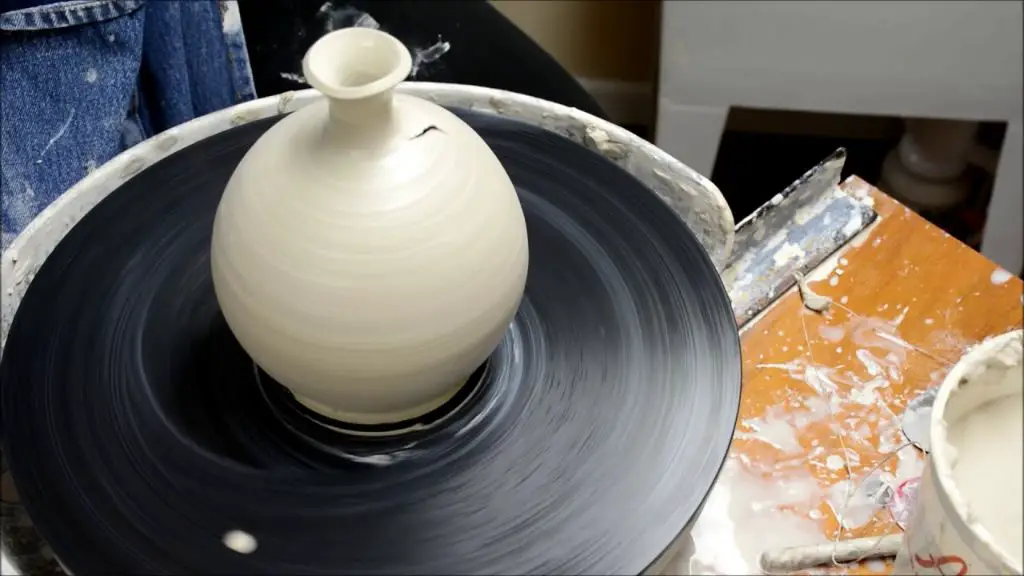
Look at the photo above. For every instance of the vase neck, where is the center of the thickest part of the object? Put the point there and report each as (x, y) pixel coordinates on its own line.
(364, 122)
(357, 69)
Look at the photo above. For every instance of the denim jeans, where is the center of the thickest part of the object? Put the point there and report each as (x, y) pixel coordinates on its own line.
(81, 81)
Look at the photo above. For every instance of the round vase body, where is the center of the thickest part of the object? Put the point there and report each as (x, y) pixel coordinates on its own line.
(369, 251)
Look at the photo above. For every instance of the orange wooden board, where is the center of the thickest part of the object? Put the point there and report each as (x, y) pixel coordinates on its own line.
(909, 299)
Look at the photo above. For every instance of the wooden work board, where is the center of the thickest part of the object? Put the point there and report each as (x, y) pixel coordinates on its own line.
(908, 301)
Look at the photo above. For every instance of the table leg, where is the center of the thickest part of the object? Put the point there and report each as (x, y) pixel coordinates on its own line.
(690, 133)
(1003, 238)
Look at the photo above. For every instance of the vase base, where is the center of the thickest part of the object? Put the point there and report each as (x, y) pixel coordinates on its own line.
(412, 421)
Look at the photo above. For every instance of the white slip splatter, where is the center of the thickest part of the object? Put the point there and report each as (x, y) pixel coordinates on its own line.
(338, 18)
(876, 566)
(423, 56)
(787, 253)
(872, 364)
(817, 378)
(772, 429)
(57, 136)
(902, 316)
(231, 18)
(832, 333)
(855, 505)
(866, 394)
(240, 541)
(297, 78)
(1000, 276)
(855, 223)
(19, 208)
(742, 518)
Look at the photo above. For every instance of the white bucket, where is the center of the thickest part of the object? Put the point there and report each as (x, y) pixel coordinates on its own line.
(967, 520)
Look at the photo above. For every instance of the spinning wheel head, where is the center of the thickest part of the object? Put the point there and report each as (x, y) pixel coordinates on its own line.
(369, 251)
(594, 434)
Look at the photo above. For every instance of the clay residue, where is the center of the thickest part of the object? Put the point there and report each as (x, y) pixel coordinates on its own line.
(1000, 276)
(747, 513)
(293, 77)
(230, 17)
(333, 16)
(422, 56)
(788, 252)
(57, 136)
(856, 444)
(775, 428)
(20, 206)
(832, 333)
(597, 139)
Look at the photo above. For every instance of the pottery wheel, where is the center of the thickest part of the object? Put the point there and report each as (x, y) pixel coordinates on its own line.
(140, 434)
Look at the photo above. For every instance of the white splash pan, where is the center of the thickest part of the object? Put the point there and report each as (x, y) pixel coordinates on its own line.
(943, 535)
(697, 201)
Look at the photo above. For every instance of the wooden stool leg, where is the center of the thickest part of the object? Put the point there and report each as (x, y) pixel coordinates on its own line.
(1003, 237)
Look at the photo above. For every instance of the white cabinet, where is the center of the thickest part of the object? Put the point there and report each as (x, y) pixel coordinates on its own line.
(940, 59)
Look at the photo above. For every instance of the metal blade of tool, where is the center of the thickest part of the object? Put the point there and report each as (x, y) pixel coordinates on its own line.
(794, 232)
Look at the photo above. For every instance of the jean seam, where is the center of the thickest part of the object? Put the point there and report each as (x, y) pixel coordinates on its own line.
(242, 77)
(133, 116)
(66, 14)
(238, 59)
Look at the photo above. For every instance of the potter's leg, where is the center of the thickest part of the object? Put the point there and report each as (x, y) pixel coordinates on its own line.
(1003, 238)
(691, 133)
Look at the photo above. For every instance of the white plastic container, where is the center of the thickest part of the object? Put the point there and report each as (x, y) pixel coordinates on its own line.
(967, 516)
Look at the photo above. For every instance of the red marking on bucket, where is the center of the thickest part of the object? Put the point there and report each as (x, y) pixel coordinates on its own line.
(902, 503)
(936, 563)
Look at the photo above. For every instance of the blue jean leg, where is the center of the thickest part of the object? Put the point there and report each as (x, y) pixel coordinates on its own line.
(84, 80)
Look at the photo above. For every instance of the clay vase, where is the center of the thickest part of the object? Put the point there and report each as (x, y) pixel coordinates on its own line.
(369, 251)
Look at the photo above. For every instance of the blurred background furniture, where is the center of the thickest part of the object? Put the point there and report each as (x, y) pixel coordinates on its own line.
(937, 60)
(751, 92)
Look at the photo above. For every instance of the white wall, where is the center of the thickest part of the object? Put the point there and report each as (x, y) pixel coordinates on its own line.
(911, 58)
(610, 46)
